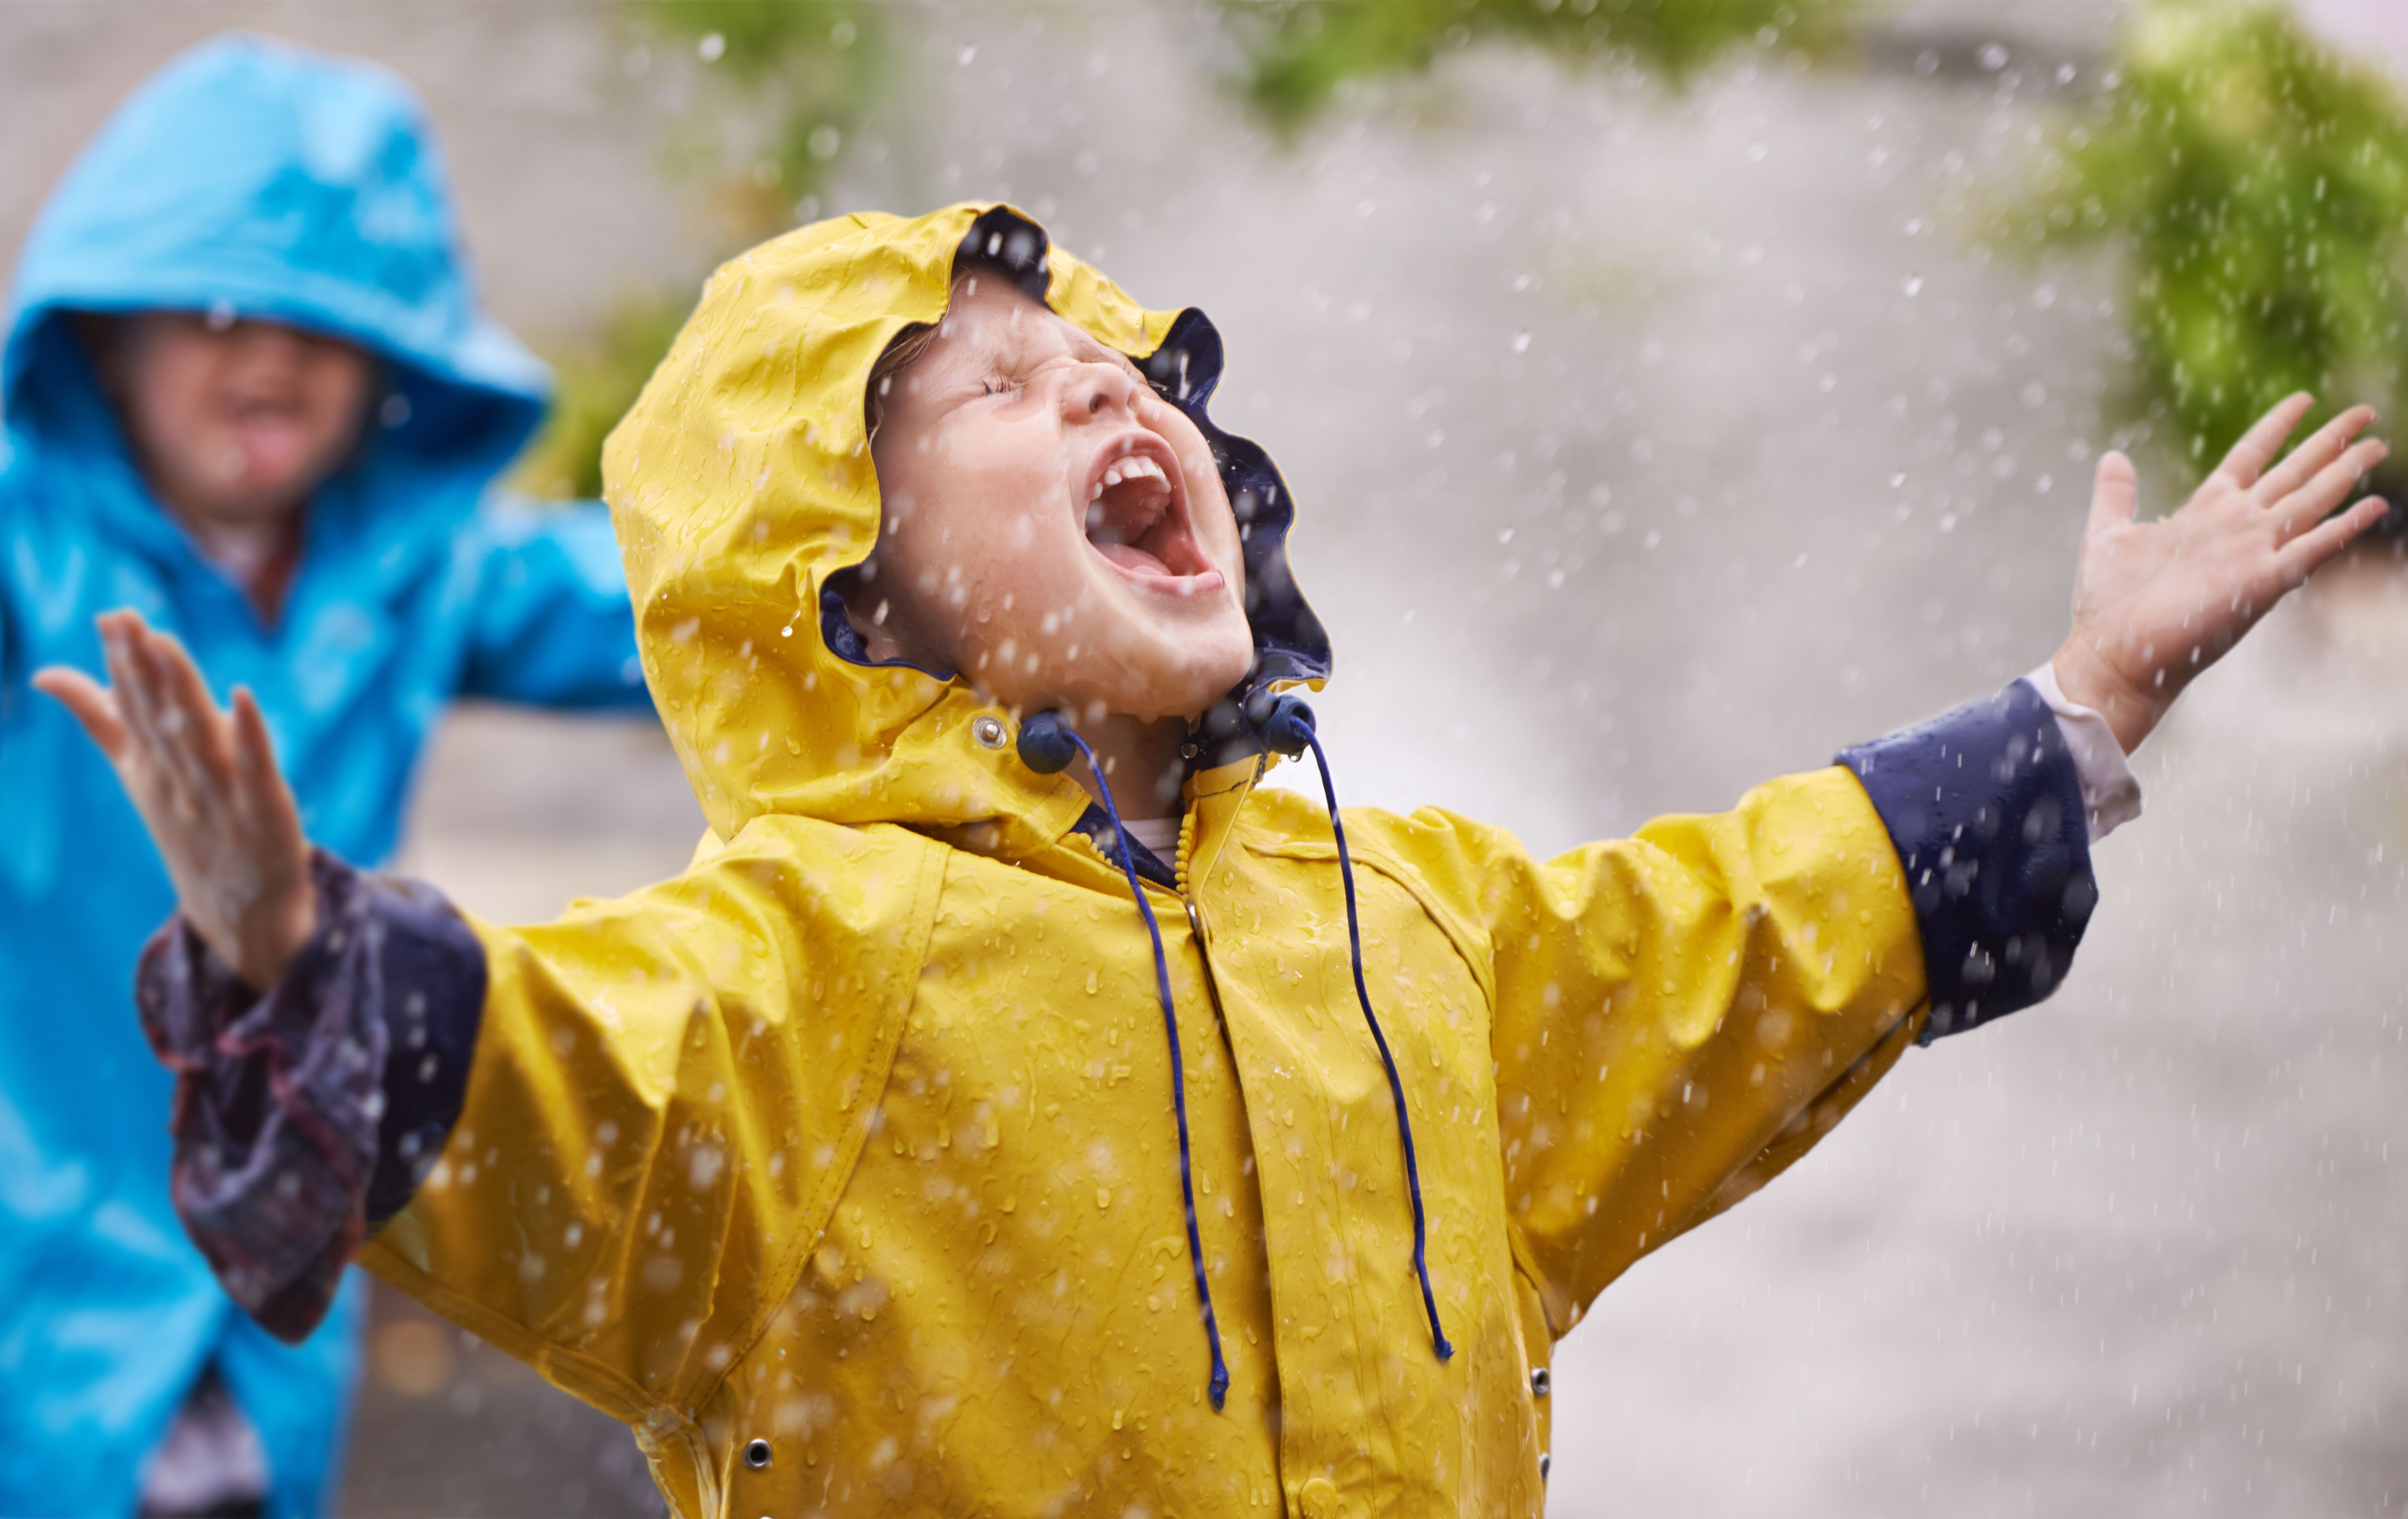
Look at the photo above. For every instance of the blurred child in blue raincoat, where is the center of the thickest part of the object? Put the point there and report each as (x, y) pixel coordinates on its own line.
(248, 390)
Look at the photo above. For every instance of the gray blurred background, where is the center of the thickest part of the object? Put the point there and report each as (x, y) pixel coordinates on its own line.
(1649, 442)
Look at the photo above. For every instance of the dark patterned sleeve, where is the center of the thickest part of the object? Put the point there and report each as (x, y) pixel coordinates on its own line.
(305, 1117)
(1984, 805)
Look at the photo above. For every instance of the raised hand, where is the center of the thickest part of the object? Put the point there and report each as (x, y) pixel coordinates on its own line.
(2156, 603)
(206, 783)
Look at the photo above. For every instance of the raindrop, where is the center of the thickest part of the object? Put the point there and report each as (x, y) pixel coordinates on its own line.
(965, 57)
(712, 47)
(1914, 286)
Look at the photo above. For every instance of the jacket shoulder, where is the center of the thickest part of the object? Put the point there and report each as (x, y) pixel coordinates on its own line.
(1452, 865)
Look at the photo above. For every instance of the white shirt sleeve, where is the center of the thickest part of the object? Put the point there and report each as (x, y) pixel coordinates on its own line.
(2111, 793)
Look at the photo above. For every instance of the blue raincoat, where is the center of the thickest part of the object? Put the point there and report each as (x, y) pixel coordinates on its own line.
(258, 179)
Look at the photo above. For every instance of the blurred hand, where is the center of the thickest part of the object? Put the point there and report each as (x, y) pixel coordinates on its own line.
(206, 783)
(2156, 603)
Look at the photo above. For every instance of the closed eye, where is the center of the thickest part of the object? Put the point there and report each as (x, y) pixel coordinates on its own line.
(998, 385)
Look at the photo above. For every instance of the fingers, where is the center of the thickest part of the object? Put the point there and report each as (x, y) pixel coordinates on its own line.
(136, 702)
(266, 796)
(2305, 554)
(194, 715)
(2115, 495)
(166, 710)
(254, 753)
(2309, 458)
(2261, 445)
(2306, 507)
(91, 705)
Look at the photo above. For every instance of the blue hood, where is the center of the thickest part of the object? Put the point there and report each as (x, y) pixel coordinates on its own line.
(260, 179)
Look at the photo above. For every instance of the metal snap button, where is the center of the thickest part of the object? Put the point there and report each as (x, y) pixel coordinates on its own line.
(988, 730)
(756, 1454)
(1540, 1383)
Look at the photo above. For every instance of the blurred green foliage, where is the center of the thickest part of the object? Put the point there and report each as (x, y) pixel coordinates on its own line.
(2260, 184)
(784, 84)
(779, 88)
(596, 381)
(1297, 54)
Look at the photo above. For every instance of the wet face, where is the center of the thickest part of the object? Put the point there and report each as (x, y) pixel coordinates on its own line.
(235, 423)
(1052, 529)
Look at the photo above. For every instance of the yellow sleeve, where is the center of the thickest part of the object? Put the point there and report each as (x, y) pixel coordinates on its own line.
(668, 1093)
(1679, 1016)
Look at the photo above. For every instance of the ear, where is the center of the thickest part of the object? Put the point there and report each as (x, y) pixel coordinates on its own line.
(881, 646)
(872, 615)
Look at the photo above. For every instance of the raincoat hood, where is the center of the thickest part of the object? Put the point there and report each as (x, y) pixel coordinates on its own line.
(742, 484)
(255, 178)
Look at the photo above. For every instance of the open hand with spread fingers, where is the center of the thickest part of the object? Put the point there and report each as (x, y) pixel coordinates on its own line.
(2154, 603)
(205, 781)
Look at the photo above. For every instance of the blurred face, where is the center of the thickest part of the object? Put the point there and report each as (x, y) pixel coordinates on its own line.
(235, 423)
(1052, 529)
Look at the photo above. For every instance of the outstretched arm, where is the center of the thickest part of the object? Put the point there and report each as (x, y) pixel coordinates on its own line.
(204, 780)
(551, 626)
(321, 1024)
(2156, 603)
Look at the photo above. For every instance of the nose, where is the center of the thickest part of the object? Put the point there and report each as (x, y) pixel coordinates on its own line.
(1095, 389)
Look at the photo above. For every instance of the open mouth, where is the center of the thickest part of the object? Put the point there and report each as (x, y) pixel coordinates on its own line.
(1137, 515)
(265, 436)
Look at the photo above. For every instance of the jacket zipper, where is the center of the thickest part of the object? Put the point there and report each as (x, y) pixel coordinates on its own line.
(1195, 927)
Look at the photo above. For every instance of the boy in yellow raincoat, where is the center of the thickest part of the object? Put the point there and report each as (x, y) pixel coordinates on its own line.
(1016, 1109)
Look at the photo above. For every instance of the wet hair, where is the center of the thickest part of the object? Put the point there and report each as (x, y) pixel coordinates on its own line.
(905, 348)
(901, 354)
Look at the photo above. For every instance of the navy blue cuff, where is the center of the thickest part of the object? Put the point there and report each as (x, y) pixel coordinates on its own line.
(432, 996)
(1985, 808)
(308, 1115)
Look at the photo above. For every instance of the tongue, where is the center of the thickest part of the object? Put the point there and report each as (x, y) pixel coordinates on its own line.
(264, 449)
(1129, 556)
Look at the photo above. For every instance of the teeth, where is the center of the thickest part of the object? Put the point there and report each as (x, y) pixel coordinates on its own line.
(1129, 469)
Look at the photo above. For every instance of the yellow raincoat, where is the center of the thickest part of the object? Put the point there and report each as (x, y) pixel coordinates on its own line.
(842, 1166)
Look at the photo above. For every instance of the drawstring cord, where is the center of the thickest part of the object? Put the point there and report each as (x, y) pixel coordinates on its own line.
(1285, 723)
(1043, 749)
(1047, 745)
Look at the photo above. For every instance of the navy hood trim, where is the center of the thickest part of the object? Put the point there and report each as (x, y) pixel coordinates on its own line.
(1290, 645)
